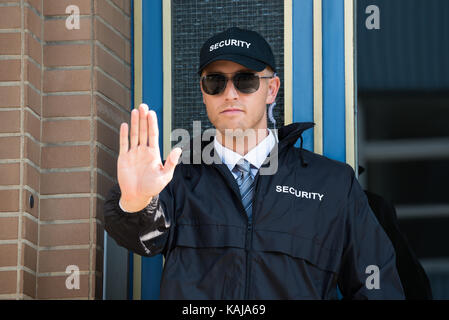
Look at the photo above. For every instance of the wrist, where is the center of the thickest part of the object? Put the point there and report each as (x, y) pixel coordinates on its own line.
(133, 205)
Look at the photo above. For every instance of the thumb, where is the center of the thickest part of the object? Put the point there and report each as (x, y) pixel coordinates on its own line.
(172, 160)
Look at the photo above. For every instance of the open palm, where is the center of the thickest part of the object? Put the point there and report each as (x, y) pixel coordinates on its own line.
(141, 174)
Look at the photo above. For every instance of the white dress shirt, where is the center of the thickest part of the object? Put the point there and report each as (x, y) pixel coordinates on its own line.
(256, 156)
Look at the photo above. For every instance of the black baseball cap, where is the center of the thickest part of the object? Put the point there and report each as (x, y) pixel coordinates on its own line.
(244, 47)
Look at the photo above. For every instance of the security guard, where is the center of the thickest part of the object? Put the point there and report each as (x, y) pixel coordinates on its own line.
(264, 219)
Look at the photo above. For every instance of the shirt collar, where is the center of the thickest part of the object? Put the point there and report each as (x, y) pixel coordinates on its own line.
(256, 156)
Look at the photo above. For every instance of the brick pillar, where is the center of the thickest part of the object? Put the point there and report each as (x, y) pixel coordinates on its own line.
(20, 145)
(63, 94)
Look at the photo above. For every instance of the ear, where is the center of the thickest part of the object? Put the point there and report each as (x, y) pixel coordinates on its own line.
(273, 89)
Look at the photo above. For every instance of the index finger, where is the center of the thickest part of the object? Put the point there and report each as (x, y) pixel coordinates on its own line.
(123, 138)
(153, 130)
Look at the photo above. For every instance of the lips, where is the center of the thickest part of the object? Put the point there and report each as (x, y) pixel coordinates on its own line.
(232, 110)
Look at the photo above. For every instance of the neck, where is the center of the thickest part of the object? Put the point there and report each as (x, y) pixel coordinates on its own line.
(240, 141)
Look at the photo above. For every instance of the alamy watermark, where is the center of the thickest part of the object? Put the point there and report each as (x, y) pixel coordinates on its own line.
(373, 280)
(73, 20)
(238, 138)
(373, 20)
(73, 279)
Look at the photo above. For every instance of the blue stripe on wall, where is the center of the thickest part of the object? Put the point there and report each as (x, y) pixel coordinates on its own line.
(152, 87)
(303, 66)
(333, 80)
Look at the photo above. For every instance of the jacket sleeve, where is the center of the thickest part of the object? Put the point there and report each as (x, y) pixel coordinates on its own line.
(146, 232)
(414, 280)
(368, 268)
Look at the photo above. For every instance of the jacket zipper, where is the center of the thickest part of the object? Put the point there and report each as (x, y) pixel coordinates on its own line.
(249, 240)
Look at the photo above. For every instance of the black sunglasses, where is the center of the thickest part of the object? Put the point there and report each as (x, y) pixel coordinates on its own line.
(245, 82)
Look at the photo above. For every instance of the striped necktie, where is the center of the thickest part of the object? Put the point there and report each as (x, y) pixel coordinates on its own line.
(246, 184)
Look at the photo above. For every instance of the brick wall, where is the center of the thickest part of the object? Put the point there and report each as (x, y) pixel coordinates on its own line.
(63, 95)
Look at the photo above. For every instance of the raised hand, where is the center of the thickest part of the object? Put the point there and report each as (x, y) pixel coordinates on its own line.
(140, 172)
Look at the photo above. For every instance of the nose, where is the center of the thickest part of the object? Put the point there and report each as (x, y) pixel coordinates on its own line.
(230, 92)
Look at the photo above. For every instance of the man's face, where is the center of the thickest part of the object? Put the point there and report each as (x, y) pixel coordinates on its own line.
(232, 109)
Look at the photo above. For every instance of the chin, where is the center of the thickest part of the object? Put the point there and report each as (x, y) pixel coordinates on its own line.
(232, 126)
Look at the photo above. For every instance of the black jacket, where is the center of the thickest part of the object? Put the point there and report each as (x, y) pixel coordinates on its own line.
(311, 229)
(414, 280)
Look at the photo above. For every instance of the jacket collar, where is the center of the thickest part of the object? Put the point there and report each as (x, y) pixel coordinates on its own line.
(289, 134)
